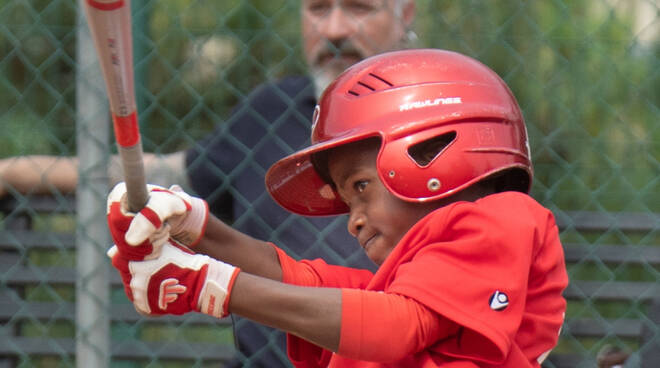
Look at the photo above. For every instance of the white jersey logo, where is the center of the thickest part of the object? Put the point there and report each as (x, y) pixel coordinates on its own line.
(498, 301)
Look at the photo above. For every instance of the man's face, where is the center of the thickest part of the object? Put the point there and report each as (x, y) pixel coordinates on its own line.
(338, 33)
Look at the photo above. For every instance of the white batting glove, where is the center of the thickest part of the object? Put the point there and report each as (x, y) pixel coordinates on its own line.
(177, 281)
(185, 215)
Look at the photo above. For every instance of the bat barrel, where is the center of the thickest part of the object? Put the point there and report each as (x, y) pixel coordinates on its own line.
(110, 25)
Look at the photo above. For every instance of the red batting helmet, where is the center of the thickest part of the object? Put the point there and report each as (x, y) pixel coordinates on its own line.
(411, 100)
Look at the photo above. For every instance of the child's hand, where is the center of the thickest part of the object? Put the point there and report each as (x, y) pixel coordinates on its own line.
(176, 281)
(167, 213)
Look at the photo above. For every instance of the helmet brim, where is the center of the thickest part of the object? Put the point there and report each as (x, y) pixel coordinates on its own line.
(294, 183)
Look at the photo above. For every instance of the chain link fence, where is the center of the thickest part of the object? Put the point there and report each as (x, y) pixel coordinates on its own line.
(586, 74)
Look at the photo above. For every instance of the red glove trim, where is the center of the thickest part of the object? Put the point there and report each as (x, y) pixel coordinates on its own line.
(118, 224)
(121, 264)
(230, 286)
(152, 216)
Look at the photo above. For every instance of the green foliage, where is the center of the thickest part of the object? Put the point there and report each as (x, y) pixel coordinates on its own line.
(37, 77)
(208, 56)
(588, 88)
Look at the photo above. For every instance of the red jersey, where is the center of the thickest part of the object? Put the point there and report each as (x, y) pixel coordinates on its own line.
(486, 277)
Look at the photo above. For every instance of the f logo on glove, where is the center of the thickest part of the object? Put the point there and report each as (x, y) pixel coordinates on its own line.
(169, 292)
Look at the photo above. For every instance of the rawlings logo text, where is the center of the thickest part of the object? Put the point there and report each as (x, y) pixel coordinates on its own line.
(426, 103)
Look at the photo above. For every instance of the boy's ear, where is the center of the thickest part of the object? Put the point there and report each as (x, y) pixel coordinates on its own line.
(424, 152)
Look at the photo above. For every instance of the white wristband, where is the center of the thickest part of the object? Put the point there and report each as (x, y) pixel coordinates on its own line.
(214, 298)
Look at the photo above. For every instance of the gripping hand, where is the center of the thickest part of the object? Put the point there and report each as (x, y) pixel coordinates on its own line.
(177, 281)
(168, 212)
(138, 237)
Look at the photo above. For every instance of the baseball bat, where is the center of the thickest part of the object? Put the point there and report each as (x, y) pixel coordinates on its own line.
(110, 26)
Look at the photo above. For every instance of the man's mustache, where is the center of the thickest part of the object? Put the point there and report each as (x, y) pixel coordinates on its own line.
(332, 50)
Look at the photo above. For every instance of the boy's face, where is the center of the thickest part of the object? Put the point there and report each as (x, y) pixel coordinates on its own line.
(377, 218)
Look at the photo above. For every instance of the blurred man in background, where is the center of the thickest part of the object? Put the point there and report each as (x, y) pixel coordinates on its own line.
(273, 121)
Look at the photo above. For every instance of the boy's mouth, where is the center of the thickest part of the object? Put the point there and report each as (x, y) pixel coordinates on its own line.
(366, 243)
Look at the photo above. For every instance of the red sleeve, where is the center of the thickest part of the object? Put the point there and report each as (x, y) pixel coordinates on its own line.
(320, 274)
(302, 353)
(382, 327)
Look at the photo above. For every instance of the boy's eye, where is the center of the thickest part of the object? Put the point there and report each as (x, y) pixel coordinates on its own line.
(360, 185)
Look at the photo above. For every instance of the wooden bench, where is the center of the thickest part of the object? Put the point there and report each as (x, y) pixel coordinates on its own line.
(605, 242)
(37, 308)
(614, 292)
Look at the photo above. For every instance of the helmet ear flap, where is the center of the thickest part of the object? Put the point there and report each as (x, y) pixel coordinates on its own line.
(407, 165)
(439, 161)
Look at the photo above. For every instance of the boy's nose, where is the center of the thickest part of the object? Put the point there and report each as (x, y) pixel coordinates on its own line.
(355, 223)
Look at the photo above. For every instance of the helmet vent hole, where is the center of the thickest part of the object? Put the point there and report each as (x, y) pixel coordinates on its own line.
(426, 151)
(368, 84)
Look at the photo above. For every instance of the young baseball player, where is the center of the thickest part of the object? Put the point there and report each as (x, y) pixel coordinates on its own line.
(427, 153)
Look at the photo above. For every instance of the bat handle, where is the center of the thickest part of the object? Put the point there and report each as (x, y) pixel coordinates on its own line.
(136, 187)
(129, 147)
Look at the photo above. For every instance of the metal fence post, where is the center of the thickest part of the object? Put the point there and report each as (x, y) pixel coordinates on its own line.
(92, 127)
